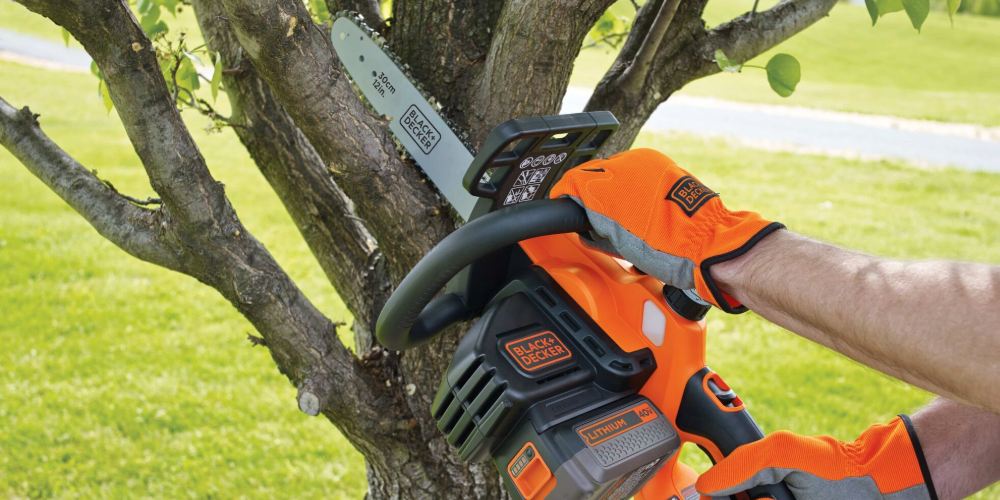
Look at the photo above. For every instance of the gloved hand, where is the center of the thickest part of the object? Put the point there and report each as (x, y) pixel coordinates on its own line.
(661, 219)
(885, 463)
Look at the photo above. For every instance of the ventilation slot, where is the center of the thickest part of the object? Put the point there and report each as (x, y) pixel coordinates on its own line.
(558, 375)
(646, 362)
(594, 346)
(457, 414)
(480, 385)
(464, 436)
(546, 296)
(491, 400)
(468, 373)
(445, 403)
(569, 321)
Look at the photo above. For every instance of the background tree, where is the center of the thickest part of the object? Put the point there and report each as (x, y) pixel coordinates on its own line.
(364, 212)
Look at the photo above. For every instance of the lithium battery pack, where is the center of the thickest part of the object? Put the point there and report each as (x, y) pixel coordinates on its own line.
(607, 454)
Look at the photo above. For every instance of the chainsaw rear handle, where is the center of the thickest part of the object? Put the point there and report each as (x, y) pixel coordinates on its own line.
(410, 318)
(711, 410)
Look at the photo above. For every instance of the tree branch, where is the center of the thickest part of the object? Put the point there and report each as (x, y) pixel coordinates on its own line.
(686, 53)
(198, 219)
(635, 75)
(113, 215)
(752, 33)
(321, 210)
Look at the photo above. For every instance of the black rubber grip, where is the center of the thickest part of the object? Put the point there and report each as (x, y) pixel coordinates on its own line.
(407, 321)
(699, 414)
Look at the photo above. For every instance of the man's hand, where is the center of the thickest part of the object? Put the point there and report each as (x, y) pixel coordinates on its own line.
(885, 463)
(663, 220)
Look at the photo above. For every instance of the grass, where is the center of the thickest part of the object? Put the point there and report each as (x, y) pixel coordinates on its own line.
(943, 73)
(848, 65)
(123, 380)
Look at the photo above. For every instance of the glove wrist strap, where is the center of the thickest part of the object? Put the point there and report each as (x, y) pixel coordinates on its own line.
(718, 296)
(919, 451)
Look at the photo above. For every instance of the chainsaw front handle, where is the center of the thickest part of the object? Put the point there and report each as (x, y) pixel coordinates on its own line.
(410, 318)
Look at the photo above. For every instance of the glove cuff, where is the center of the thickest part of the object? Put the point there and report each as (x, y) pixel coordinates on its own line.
(919, 452)
(707, 284)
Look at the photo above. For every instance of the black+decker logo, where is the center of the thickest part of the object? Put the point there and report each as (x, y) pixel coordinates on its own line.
(537, 351)
(419, 128)
(617, 424)
(690, 194)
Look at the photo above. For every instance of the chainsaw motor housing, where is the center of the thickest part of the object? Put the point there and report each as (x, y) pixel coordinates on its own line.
(538, 387)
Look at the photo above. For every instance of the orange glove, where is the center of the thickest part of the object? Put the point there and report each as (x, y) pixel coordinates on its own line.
(885, 463)
(661, 219)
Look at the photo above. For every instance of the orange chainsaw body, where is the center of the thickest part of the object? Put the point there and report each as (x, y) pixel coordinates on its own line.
(615, 297)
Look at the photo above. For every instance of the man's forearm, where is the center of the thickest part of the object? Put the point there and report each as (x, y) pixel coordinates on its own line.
(935, 325)
(961, 446)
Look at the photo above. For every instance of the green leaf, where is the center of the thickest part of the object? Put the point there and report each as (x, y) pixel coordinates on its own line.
(65, 34)
(95, 70)
(889, 6)
(159, 27)
(149, 19)
(953, 6)
(190, 55)
(917, 11)
(170, 5)
(144, 6)
(322, 11)
(872, 10)
(726, 64)
(217, 77)
(187, 77)
(102, 87)
(783, 73)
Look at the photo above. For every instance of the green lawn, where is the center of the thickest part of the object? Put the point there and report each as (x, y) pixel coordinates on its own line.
(943, 74)
(122, 380)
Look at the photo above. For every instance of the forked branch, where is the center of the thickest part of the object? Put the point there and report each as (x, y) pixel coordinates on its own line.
(636, 73)
(113, 215)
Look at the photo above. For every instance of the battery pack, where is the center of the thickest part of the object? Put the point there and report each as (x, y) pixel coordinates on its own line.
(607, 454)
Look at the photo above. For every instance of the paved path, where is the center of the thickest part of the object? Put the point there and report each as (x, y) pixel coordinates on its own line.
(41, 52)
(770, 127)
(777, 127)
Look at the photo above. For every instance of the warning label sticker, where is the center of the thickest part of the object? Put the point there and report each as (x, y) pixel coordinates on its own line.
(537, 351)
(526, 186)
(617, 424)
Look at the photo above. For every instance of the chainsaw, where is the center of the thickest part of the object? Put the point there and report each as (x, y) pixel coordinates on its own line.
(583, 376)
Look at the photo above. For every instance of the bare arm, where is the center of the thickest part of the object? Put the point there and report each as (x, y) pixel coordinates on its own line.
(934, 324)
(961, 445)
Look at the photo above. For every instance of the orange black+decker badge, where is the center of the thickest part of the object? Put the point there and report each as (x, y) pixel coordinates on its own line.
(690, 194)
(537, 351)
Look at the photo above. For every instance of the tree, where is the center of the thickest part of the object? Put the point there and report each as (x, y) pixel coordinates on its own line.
(363, 210)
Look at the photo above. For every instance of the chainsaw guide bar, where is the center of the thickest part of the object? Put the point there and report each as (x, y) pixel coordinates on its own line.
(420, 131)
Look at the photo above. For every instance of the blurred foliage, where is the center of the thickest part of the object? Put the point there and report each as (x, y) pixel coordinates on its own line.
(610, 30)
(975, 7)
